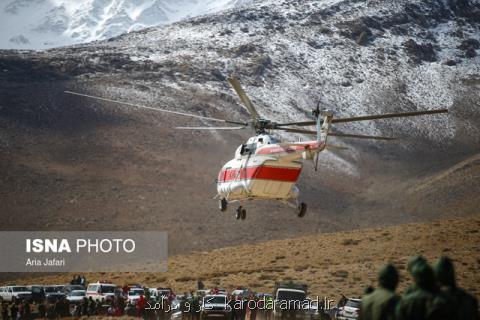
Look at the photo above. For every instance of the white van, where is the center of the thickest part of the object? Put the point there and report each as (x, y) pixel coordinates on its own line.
(101, 290)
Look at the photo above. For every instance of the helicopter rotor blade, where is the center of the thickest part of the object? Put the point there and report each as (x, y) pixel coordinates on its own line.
(390, 115)
(359, 136)
(243, 96)
(155, 109)
(210, 128)
(300, 123)
(338, 134)
(367, 117)
(295, 130)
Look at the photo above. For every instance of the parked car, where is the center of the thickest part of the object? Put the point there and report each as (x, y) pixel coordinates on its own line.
(244, 292)
(175, 312)
(53, 289)
(163, 292)
(15, 293)
(215, 306)
(101, 290)
(76, 296)
(350, 310)
(71, 287)
(54, 297)
(289, 297)
(134, 294)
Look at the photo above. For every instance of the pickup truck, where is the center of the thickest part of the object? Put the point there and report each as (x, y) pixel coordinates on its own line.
(15, 293)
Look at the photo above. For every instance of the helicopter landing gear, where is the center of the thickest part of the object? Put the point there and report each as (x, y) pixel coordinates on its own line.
(301, 209)
(222, 204)
(241, 213)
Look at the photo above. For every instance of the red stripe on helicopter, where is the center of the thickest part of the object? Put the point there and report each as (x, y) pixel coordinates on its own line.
(261, 172)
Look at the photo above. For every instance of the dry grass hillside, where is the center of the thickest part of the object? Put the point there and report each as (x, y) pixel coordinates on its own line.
(334, 263)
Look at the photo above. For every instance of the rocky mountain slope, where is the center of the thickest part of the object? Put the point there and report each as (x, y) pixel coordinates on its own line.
(73, 163)
(41, 24)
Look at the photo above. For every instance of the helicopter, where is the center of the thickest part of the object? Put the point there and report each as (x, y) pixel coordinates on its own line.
(264, 167)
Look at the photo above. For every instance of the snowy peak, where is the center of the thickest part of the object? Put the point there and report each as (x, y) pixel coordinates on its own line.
(42, 24)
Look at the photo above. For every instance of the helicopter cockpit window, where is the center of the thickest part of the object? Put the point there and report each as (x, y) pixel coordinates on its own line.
(273, 140)
(248, 148)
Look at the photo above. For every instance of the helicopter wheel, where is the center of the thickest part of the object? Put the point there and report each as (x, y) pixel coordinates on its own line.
(222, 204)
(244, 214)
(238, 216)
(301, 209)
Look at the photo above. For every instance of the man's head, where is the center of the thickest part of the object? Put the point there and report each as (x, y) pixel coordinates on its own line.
(423, 276)
(388, 277)
(414, 260)
(445, 272)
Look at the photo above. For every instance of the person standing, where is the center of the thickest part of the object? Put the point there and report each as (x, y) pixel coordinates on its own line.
(200, 285)
(91, 306)
(465, 305)
(20, 313)
(27, 314)
(411, 263)
(195, 306)
(381, 303)
(83, 281)
(268, 307)
(425, 301)
(42, 310)
(141, 306)
(4, 312)
(233, 310)
(84, 310)
(51, 311)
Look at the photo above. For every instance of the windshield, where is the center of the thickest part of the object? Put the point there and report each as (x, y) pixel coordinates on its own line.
(291, 295)
(78, 293)
(75, 287)
(353, 304)
(19, 289)
(216, 299)
(135, 292)
(107, 289)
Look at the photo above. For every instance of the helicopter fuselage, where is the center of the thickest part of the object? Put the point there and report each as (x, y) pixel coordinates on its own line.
(264, 168)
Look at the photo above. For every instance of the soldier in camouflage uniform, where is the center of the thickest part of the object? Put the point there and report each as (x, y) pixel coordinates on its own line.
(464, 304)
(424, 301)
(381, 303)
(413, 261)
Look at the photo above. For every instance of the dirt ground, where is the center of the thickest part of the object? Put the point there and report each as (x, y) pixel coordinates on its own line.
(331, 264)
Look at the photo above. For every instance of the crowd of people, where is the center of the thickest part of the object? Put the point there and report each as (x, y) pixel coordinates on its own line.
(434, 295)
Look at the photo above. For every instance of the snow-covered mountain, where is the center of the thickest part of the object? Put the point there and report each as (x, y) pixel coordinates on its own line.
(41, 24)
